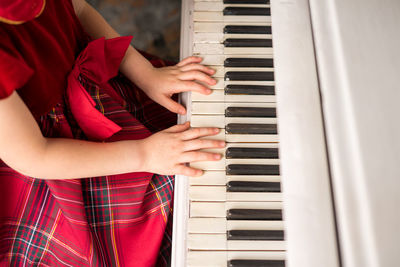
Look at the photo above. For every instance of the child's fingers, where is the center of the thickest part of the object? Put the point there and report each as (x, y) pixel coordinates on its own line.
(178, 128)
(195, 133)
(202, 144)
(186, 86)
(198, 67)
(188, 171)
(173, 106)
(197, 75)
(188, 60)
(194, 156)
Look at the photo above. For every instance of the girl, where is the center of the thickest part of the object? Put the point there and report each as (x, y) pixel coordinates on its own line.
(64, 115)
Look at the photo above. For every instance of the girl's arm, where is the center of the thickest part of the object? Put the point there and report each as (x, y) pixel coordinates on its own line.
(158, 83)
(23, 148)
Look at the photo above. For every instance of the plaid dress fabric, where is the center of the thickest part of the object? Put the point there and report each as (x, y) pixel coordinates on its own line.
(118, 220)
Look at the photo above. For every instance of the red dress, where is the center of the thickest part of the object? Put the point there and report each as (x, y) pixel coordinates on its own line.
(118, 220)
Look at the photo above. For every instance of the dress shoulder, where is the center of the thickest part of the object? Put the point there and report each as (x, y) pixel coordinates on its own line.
(14, 71)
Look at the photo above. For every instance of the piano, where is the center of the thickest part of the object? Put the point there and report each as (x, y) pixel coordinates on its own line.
(307, 95)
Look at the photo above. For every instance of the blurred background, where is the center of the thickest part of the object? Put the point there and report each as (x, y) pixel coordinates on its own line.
(154, 24)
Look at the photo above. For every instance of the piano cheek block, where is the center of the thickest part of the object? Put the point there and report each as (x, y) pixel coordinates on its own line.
(256, 263)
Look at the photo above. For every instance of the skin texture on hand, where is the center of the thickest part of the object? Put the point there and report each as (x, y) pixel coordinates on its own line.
(166, 152)
(187, 75)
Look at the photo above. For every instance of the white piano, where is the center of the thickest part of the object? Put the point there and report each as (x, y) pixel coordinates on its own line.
(311, 173)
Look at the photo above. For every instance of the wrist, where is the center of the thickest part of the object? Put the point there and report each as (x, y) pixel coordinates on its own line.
(129, 67)
(142, 154)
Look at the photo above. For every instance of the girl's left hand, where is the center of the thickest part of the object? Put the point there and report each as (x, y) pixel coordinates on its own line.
(187, 75)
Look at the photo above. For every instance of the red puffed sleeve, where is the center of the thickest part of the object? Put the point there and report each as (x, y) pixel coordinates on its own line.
(14, 72)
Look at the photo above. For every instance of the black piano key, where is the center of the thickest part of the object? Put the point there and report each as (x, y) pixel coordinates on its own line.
(239, 186)
(250, 112)
(252, 169)
(249, 42)
(247, 128)
(246, 2)
(241, 29)
(275, 235)
(239, 89)
(246, 11)
(254, 214)
(251, 153)
(256, 263)
(249, 76)
(249, 62)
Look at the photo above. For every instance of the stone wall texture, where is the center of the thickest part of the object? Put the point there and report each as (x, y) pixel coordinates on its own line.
(154, 24)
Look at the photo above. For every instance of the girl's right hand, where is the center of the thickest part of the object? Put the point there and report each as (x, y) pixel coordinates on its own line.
(166, 152)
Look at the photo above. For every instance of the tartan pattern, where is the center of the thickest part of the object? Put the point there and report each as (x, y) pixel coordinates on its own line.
(82, 222)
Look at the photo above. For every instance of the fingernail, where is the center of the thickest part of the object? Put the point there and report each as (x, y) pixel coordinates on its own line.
(216, 130)
(182, 111)
(222, 144)
(217, 156)
(208, 91)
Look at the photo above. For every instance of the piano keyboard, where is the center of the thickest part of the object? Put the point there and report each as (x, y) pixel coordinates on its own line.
(235, 208)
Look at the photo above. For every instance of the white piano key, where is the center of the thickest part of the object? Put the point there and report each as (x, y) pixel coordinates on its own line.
(221, 225)
(218, 60)
(209, 178)
(221, 164)
(246, 138)
(218, 27)
(251, 98)
(208, 6)
(215, 96)
(217, 16)
(208, 37)
(218, 193)
(220, 120)
(219, 96)
(219, 6)
(220, 107)
(219, 209)
(219, 37)
(256, 138)
(220, 258)
(220, 242)
(216, 49)
(199, 48)
(220, 178)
